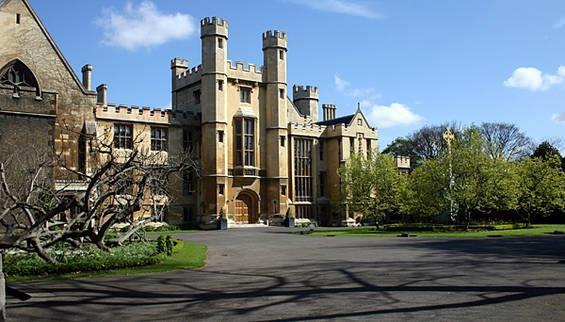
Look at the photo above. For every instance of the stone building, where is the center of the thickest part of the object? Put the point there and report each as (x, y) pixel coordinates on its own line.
(262, 149)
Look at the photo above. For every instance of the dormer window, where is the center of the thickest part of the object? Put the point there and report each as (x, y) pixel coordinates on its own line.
(359, 122)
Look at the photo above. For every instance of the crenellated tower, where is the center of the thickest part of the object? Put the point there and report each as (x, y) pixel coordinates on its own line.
(179, 66)
(306, 99)
(213, 100)
(276, 119)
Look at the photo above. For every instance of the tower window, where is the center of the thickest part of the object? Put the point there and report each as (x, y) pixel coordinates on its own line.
(220, 85)
(221, 189)
(188, 183)
(281, 54)
(281, 93)
(123, 138)
(18, 18)
(283, 139)
(196, 96)
(283, 190)
(187, 141)
(245, 142)
(159, 137)
(321, 148)
(245, 95)
(221, 136)
(220, 43)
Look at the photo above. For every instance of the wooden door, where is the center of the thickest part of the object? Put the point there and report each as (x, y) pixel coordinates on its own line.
(241, 212)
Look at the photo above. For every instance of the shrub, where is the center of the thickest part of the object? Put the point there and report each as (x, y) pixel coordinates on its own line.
(161, 247)
(169, 245)
(83, 260)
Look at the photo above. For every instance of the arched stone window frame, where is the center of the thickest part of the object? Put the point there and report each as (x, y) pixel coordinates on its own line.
(17, 74)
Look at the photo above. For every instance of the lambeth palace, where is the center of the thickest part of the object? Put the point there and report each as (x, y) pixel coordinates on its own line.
(263, 147)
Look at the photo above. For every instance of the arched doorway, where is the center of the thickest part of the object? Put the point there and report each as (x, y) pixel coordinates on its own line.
(246, 207)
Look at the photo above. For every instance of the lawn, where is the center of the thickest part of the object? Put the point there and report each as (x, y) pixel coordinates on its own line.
(533, 231)
(170, 232)
(185, 256)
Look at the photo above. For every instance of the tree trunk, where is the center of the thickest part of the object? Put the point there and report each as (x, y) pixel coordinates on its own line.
(2, 290)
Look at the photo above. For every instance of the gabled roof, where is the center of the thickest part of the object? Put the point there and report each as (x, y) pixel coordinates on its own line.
(51, 41)
(340, 120)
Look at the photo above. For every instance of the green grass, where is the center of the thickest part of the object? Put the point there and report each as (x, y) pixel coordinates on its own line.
(185, 256)
(170, 232)
(533, 231)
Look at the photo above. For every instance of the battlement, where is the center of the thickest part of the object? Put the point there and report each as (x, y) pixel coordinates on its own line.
(242, 67)
(142, 114)
(274, 39)
(179, 63)
(305, 92)
(214, 26)
(247, 72)
(188, 77)
(306, 129)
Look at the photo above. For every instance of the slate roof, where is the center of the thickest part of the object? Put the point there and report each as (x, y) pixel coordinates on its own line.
(340, 120)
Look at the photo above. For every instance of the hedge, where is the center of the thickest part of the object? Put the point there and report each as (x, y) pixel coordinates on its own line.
(443, 228)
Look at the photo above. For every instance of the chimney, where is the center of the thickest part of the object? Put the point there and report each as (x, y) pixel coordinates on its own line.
(328, 111)
(102, 94)
(87, 77)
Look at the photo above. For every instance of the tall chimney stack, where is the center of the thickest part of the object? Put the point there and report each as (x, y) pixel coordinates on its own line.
(102, 94)
(87, 77)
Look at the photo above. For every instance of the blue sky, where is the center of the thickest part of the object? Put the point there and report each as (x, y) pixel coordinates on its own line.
(410, 63)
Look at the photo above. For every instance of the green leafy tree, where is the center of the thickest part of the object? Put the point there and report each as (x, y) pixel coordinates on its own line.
(542, 187)
(373, 186)
(480, 183)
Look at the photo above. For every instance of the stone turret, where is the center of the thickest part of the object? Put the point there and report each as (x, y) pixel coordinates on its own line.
(213, 103)
(274, 78)
(306, 100)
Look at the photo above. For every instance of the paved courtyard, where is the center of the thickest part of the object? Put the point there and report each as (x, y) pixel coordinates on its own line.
(266, 274)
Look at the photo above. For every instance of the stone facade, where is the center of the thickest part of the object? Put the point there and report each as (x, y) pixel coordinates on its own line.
(263, 155)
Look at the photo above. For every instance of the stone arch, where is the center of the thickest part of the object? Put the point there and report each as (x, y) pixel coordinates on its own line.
(247, 207)
(20, 76)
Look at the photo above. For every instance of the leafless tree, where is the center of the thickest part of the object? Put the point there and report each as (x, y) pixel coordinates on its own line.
(505, 141)
(36, 213)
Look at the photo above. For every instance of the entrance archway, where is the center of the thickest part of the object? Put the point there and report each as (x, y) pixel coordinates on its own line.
(246, 207)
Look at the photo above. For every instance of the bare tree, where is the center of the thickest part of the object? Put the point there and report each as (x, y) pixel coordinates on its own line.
(39, 214)
(505, 141)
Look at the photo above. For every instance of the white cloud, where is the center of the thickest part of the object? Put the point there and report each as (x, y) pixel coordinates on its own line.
(143, 26)
(341, 84)
(361, 94)
(394, 114)
(559, 118)
(347, 7)
(533, 79)
(560, 23)
(382, 116)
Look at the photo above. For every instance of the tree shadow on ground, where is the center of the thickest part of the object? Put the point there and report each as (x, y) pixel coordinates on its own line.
(206, 293)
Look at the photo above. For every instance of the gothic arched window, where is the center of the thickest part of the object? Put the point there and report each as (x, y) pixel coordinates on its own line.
(18, 75)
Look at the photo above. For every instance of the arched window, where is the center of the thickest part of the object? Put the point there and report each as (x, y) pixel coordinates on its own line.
(18, 75)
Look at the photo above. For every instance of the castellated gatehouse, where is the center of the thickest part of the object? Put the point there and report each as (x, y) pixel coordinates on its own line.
(267, 150)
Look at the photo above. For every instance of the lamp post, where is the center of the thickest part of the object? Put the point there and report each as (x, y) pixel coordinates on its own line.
(449, 137)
